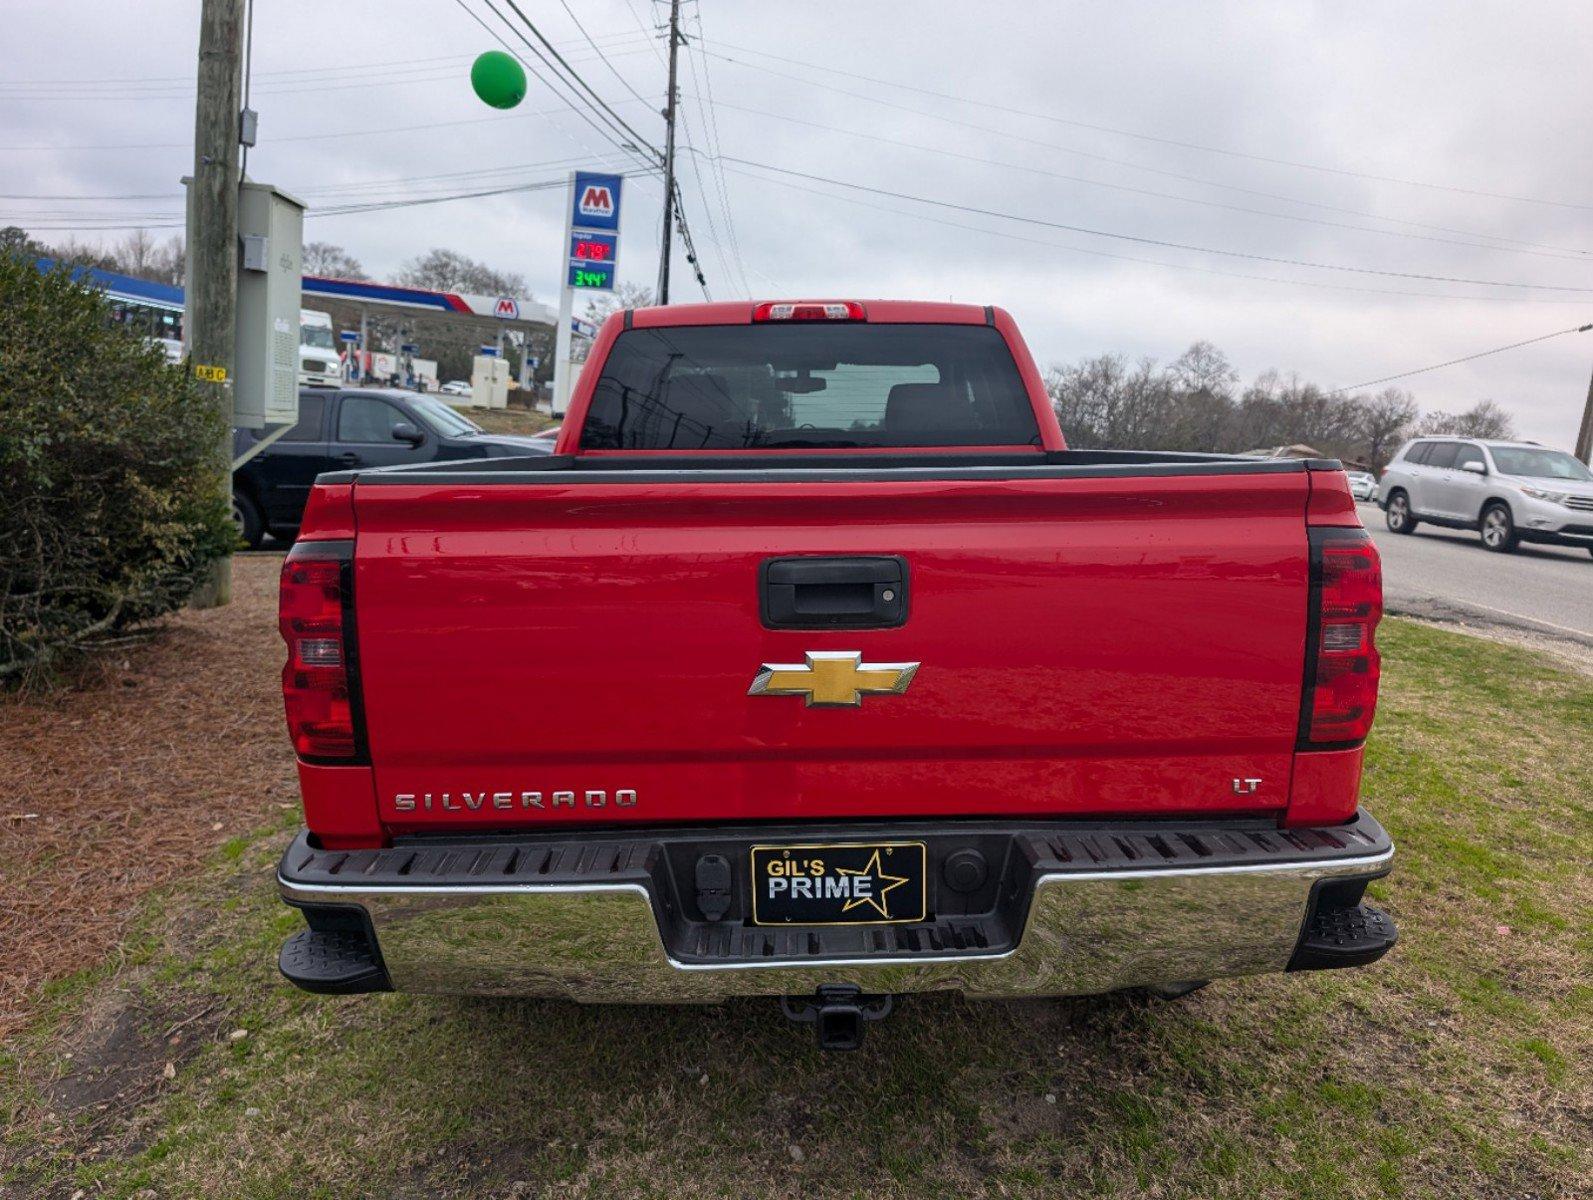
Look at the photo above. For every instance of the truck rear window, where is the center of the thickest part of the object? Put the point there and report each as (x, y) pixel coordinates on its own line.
(809, 386)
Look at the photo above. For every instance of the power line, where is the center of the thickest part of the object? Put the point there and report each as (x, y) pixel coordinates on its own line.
(610, 133)
(650, 33)
(79, 86)
(1007, 235)
(671, 191)
(429, 76)
(685, 230)
(691, 247)
(1165, 141)
(312, 137)
(413, 202)
(1355, 387)
(1163, 242)
(612, 69)
(182, 85)
(173, 221)
(338, 72)
(695, 158)
(711, 122)
(574, 74)
(352, 185)
(1134, 166)
(1120, 187)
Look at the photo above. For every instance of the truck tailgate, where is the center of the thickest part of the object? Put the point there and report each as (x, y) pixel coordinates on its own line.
(540, 652)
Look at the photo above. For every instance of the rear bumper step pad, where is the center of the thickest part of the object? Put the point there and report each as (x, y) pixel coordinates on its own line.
(336, 962)
(1351, 936)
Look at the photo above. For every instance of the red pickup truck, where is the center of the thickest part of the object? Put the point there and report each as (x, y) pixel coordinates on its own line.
(813, 664)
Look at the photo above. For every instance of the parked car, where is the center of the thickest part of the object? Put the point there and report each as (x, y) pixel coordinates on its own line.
(455, 387)
(1363, 484)
(822, 669)
(349, 429)
(1510, 492)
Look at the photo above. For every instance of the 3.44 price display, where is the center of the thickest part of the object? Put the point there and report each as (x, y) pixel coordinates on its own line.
(591, 275)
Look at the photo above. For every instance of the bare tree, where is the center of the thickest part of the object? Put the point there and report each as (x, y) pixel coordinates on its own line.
(1384, 421)
(1190, 404)
(1204, 368)
(1083, 395)
(1484, 419)
(450, 271)
(138, 254)
(331, 261)
(135, 254)
(624, 295)
(173, 260)
(1201, 416)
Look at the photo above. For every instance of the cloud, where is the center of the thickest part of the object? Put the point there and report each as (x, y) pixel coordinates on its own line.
(1487, 100)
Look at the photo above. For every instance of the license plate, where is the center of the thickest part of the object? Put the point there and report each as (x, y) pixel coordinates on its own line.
(847, 883)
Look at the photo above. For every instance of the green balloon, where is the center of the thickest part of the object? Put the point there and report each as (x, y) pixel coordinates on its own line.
(498, 79)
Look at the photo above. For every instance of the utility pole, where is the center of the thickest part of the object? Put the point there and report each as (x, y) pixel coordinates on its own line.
(213, 241)
(669, 155)
(1584, 438)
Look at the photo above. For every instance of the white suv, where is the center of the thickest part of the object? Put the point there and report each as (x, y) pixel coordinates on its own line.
(1511, 492)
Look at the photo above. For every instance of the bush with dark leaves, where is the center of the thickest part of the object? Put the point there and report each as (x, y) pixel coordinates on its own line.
(110, 500)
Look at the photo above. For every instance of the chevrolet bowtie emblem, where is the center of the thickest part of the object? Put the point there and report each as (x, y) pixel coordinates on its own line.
(831, 678)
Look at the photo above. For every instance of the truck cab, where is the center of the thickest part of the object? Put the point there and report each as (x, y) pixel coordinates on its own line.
(319, 362)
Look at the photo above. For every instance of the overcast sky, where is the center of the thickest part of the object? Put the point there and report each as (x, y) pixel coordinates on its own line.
(1424, 138)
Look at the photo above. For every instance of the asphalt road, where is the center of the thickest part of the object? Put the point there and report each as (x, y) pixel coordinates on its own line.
(1447, 575)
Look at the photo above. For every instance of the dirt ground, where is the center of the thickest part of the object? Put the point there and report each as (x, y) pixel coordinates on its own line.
(154, 756)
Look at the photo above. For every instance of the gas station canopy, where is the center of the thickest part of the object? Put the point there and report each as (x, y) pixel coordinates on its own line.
(386, 297)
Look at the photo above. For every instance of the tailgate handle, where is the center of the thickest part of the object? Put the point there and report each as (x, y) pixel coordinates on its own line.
(833, 593)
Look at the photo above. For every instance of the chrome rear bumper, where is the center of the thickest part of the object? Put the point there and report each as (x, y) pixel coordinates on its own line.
(1093, 909)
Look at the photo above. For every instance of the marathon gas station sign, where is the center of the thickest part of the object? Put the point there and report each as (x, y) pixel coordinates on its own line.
(594, 230)
(591, 251)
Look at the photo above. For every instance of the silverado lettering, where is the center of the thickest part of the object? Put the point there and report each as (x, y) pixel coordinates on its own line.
(1010, 711)
(506, 801)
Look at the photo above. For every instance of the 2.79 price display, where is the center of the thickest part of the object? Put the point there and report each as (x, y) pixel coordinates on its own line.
(593, 247)
(592, 250)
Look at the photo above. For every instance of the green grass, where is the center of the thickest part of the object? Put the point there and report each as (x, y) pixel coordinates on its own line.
(1456, 1067)
(520, 421)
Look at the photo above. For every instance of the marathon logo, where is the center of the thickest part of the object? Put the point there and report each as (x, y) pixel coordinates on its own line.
(597, 200)
(507, 308)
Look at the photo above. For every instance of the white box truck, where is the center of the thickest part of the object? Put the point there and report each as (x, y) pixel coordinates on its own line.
(319, 362)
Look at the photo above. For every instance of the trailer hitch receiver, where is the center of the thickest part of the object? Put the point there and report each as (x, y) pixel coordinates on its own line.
(837, 1011)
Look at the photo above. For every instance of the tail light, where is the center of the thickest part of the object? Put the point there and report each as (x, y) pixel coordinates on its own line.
(1342, 663)
(320, 683)
(826, 310)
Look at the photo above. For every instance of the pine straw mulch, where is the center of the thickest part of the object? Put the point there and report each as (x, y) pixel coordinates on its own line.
(154, 755)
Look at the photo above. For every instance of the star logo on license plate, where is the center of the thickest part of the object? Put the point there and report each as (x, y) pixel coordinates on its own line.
(881, 886)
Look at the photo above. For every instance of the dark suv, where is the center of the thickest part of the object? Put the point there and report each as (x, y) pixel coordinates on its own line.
(355, 427)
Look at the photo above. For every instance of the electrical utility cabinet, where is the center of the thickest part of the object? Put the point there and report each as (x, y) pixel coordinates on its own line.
(489, 382)
(270, 276)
